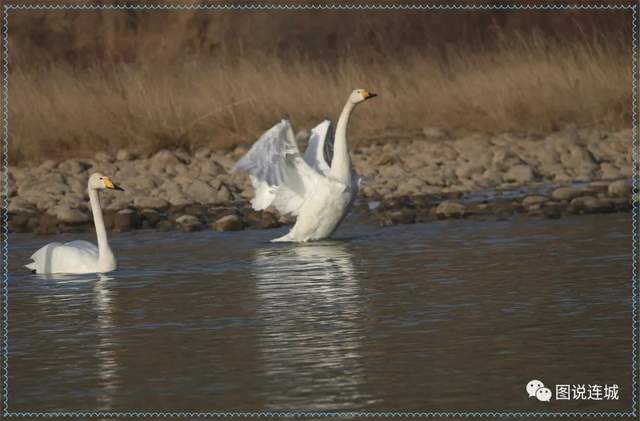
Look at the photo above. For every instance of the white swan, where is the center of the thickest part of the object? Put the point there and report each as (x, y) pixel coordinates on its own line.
(318, 188)
(78, 257)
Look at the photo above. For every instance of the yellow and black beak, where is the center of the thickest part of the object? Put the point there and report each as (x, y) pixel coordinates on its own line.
(109, 184)
(369, 95)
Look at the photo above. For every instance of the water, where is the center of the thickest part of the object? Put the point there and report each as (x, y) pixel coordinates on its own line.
(446, 316)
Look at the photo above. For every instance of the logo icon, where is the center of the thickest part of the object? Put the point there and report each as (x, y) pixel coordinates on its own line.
(543, 394)
(535, 388)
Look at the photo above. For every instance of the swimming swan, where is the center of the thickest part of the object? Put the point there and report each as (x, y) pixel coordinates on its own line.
(80, 256)
(318, 188)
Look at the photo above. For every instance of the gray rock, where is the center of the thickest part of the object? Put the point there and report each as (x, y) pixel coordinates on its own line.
(177, 198)
(201, 192)
(77, 185)
(47, 166)
(609, 171)
(124, 155)
(151, 217)
(19, 205)
(533, 200)
(69, 215)
(433, 133)
(202, 153)
(150, 203)
(239, 152)
(591, 204)
(365, 191)
(565, 193)
(228, 223)
(118, 203)
(211, 167)
(262, 220)
(71, 167)
(187, 220)
(163, 160)
(450, 209)
(189, 223)
(521, 173)
(223, 197)
(397, 217)
(468, 169)
(600, 186)
(620, 188)
(47, 224)
(103, 157)
(126, 220)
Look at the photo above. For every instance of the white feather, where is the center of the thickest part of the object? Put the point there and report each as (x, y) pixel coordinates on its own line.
(317, 192)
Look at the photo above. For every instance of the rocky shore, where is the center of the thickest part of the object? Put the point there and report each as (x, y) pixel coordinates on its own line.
(408, 178)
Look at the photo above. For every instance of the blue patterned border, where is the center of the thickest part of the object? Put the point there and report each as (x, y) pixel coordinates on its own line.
(4, 340)
(634, 211)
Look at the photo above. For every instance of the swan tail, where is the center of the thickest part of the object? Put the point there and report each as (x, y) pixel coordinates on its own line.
(284, 239)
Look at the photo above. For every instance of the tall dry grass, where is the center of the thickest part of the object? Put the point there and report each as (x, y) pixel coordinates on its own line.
(147, 100)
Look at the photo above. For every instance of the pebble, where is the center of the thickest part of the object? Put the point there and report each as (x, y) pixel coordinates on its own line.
(189, 222)
(103, 157)
(261, 220)
(519, 174)
(164, 184)
(150, 203)
(565, 193)
(126, 220)
(533, 200)
(124, 155)
(591, 204)
(620, 188)
(69, 215)
(450, 209)
(228, 223)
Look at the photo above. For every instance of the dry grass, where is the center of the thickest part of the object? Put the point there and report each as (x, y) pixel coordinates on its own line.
(528, 83)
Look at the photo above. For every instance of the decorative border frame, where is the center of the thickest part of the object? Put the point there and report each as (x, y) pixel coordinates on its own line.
(4, 234)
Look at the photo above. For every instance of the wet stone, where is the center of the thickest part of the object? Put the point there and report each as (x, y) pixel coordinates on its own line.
(228, 223)
(450, 209)
(126, 220)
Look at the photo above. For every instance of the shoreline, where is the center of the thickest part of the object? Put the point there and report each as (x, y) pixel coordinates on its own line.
(426, 177)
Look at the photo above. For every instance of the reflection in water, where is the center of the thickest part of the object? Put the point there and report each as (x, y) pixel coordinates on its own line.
(428, 317)
(102, 297)
(107, 365)
(310, 304)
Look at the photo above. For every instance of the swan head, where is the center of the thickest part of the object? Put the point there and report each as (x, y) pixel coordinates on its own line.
(98, 181)
(360, 95)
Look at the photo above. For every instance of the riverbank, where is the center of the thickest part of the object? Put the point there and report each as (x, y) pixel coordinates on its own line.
(409, 177)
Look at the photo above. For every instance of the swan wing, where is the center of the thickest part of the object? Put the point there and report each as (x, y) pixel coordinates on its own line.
(280, 176)
(320, 149)
(73, 257)
(84, 245)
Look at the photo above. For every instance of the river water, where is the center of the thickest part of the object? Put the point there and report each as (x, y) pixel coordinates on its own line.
(446, 316)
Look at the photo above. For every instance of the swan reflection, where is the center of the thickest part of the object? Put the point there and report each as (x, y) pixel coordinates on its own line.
(107, 362)
(310, 301)
(69, 291)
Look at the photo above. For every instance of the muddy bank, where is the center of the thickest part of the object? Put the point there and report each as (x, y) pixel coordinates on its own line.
(409, 177)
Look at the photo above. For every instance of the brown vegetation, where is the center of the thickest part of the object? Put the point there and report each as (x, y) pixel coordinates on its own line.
(88, 81)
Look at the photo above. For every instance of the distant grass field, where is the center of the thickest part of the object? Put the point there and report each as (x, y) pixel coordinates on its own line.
(107, 86)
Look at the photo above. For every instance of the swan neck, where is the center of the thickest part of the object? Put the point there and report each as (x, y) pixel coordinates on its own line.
(341, 162)
(101, 233)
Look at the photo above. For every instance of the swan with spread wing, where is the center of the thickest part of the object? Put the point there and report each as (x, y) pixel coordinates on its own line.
(318, 188)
